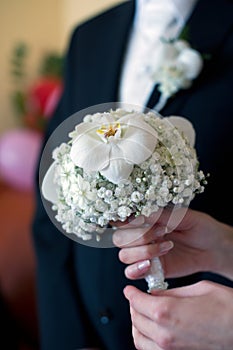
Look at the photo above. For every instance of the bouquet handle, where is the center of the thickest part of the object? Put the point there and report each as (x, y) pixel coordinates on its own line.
(155, 277)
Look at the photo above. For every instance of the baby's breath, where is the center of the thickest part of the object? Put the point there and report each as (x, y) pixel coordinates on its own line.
(87, 201)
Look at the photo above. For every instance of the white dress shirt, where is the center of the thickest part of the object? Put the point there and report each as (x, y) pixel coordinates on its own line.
(154, 19)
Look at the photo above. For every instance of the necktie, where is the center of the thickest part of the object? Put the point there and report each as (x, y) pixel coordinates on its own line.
(153, 98)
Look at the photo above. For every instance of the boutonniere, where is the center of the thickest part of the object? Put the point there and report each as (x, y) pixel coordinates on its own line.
(180, 65)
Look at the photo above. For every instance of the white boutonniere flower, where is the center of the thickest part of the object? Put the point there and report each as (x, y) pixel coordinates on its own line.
(180, 65)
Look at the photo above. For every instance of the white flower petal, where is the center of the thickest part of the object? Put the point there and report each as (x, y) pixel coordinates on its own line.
(83, 128)
(185, 126)
(48, 187)
(91, 196)
(117, 171)
(83, 184)
(82, 202)
(169, 52)
(90, 153)
(139, 140)
(137, 120)
(181, 45)
(192, 61)
(138, 148)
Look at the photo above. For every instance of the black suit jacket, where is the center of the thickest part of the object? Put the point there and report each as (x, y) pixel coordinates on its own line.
(80, 295)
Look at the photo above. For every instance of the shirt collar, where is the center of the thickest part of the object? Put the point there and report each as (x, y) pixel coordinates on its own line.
(182, 7)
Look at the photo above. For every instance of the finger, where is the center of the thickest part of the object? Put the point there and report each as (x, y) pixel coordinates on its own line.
(147, 304)
(138, 221)
(168, 218)
(132, 222)
(144, 220)
(171, 218)
(154, 227)
(175, 218)
(138, 236)
(142, 342)
(147, 251)
(141, 268)
(146, 331)
(138, 270)
(133, 237)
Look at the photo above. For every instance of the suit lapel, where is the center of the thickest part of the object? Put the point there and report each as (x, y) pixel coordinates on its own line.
(209, 23)
(113, 49)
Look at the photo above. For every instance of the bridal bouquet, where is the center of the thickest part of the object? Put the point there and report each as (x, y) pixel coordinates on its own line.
(120, 164)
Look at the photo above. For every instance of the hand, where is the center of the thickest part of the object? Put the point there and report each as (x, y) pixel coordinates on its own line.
(197, 317)
(201, 243)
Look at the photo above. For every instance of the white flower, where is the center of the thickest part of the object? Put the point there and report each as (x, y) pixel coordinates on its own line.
(124, 212)
(81, 192)
(113, 148)
(136, 197)
(179, 66)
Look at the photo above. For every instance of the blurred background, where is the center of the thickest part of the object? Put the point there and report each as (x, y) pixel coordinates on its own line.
(34, 37)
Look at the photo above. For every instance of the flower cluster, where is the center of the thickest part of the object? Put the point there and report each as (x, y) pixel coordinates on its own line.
(118, 164)
(180, 65)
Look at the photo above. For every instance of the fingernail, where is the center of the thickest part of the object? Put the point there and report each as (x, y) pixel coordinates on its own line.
(117, 238)
(139, 269)
(143, 265)
(139, 220)
(165, 246)
(161, 231)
